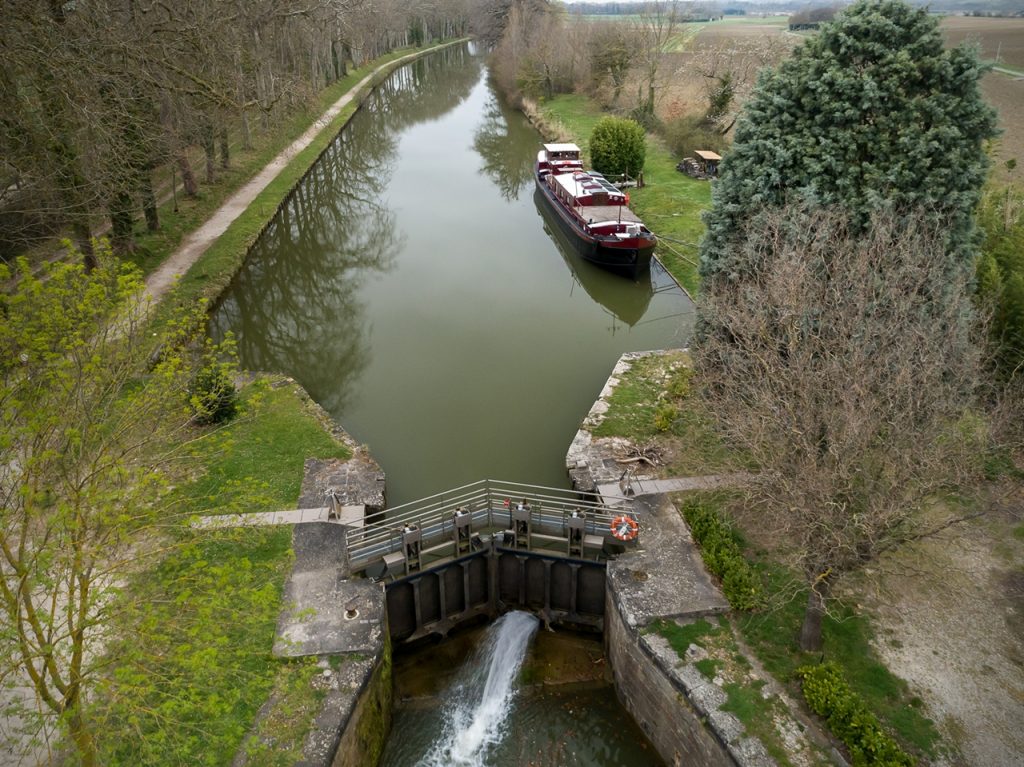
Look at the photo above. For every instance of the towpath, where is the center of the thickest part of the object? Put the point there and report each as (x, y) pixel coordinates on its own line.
(162, 279)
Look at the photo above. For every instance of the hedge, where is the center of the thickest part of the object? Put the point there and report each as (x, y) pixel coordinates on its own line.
(720, 548)
(828, 695)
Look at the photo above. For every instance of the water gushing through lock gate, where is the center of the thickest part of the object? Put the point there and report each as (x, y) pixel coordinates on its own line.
(481, 698)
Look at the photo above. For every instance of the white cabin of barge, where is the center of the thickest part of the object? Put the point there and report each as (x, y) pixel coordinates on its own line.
(558, 158)
(586, 189)
(562, 151)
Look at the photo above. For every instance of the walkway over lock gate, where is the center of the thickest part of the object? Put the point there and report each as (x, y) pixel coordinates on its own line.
(530, 518)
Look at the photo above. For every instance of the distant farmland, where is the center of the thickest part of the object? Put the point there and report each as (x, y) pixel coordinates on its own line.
(1005, 38)
(1002, 37)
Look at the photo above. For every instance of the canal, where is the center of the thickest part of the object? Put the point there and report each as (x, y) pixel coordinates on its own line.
(415, 289)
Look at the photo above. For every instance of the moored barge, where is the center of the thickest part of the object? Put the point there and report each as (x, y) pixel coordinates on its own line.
(593, 212)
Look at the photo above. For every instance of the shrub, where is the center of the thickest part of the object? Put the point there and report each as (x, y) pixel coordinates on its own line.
(646, 120)
(214, 397)
(720, 548)
(679, 384)
(665, 417)
(1000, 278)
(618, 146)
(828, 695)
(688, 133)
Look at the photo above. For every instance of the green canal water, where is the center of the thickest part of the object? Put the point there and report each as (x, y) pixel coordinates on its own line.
(414, 287)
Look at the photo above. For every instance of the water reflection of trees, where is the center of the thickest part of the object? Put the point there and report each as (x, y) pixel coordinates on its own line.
(295, 306)
(423, 90)
(499, 140)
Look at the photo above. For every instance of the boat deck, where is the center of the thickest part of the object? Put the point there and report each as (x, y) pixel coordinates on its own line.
(595, 213)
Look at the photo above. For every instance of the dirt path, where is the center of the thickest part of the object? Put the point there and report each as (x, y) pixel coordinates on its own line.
(950, 620)
(162, 279)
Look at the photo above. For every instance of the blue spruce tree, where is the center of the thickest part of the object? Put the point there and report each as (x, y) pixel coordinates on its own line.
(871, 114)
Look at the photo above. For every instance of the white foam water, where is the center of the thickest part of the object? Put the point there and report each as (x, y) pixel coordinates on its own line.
(479, 702)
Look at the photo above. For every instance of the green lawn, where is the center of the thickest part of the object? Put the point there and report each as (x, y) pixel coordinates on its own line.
(189, 693)
(653, 401)
(848, 636)
(261, 453)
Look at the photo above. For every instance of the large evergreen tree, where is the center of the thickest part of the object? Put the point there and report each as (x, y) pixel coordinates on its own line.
(871, 114)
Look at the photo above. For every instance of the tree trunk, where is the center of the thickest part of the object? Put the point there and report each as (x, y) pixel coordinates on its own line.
(188, 178)
(121, 223)
(83, 239)
(81, 737)
(149, 206)
(246, 131)
(810, 632)
(210, 150)
(225, 150)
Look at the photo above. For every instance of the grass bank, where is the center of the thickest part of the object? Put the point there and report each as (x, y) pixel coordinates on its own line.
(849, 637)
(653, 405)
(713, 650)
(189, 693)
(670, 204)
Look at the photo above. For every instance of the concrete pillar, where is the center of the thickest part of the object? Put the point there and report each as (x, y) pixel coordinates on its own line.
(416, 604)
(440, 592)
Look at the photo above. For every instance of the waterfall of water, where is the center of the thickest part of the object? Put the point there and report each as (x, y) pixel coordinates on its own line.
(480, 700)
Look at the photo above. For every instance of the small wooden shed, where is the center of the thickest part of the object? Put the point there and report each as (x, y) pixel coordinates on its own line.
(708, 161)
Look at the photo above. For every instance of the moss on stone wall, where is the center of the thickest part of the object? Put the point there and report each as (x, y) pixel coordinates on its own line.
(374, 717)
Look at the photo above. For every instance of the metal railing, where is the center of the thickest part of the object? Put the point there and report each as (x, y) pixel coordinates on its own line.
(489, 503)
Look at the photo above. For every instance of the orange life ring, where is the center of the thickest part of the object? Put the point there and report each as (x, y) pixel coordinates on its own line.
(625, 528)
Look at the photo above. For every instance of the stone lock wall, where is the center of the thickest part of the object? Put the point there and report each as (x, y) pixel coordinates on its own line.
(364, 735)
(658, 704)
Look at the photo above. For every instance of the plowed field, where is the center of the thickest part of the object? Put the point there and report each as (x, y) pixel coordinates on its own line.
(996, 37)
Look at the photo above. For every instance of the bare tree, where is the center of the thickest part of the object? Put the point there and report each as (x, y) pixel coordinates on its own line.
(525, 59)
(489, 19)
(613, 51)
(729, 72)
(842, 363)
(95, 95)
(656, 26)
